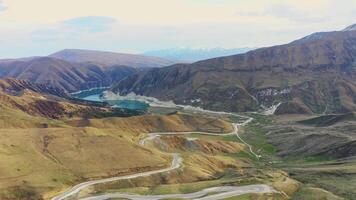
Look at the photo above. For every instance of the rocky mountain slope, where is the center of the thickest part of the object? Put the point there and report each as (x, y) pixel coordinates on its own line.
(317, 72)
(16, 87)
(110, 58)
(62, 74)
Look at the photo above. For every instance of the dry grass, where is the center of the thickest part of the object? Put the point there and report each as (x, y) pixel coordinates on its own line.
(286, 185)
(157, 123)
(15, 119)
(59, 157)
(44, 161)
(180, 143)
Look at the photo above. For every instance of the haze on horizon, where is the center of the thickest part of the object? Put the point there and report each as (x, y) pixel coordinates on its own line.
(41, 27)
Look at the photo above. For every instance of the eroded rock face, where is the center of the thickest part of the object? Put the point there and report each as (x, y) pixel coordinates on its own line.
(319, 71)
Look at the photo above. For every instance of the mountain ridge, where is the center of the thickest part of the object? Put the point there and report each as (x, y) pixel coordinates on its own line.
(317, 71)
(58, 73)
(77, 69)
(107, 58)
(190, 55)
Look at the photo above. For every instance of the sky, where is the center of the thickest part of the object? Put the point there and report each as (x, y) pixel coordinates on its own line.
(41, 27)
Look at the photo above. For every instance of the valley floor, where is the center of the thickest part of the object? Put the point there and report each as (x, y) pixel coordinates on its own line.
(176, 156)
(221, 192)
(182, 165)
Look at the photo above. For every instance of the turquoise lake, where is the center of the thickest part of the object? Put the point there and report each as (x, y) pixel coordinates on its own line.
(95, 94)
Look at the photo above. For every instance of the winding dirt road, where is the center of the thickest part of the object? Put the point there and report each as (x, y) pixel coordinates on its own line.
(176, 163)
(223, 192)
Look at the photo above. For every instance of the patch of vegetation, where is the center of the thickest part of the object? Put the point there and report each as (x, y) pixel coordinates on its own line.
(23, 192)
(244, 155)
(255, 135)
(293, 161)
(328, 120)
(337, 182)
(261, 119)
(312, 193)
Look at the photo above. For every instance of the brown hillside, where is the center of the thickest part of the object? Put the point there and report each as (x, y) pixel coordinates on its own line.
(318, 71)
(62, 74)
(157, 123)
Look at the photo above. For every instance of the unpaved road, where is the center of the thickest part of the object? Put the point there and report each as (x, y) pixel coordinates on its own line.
(222, 193)
(176, 163)
(235, 131)
(225, 191)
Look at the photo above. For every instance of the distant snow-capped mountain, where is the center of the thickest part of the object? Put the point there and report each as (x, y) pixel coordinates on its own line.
(350, 28)
(193, 55)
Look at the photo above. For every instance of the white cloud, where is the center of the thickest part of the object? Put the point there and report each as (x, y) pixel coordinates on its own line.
(42, 26)
(89, 23)
(2, 6)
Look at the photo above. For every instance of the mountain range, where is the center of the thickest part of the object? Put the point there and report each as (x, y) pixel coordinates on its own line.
(55, 146)
(314, 74)
(73, 70)
(189, 55)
